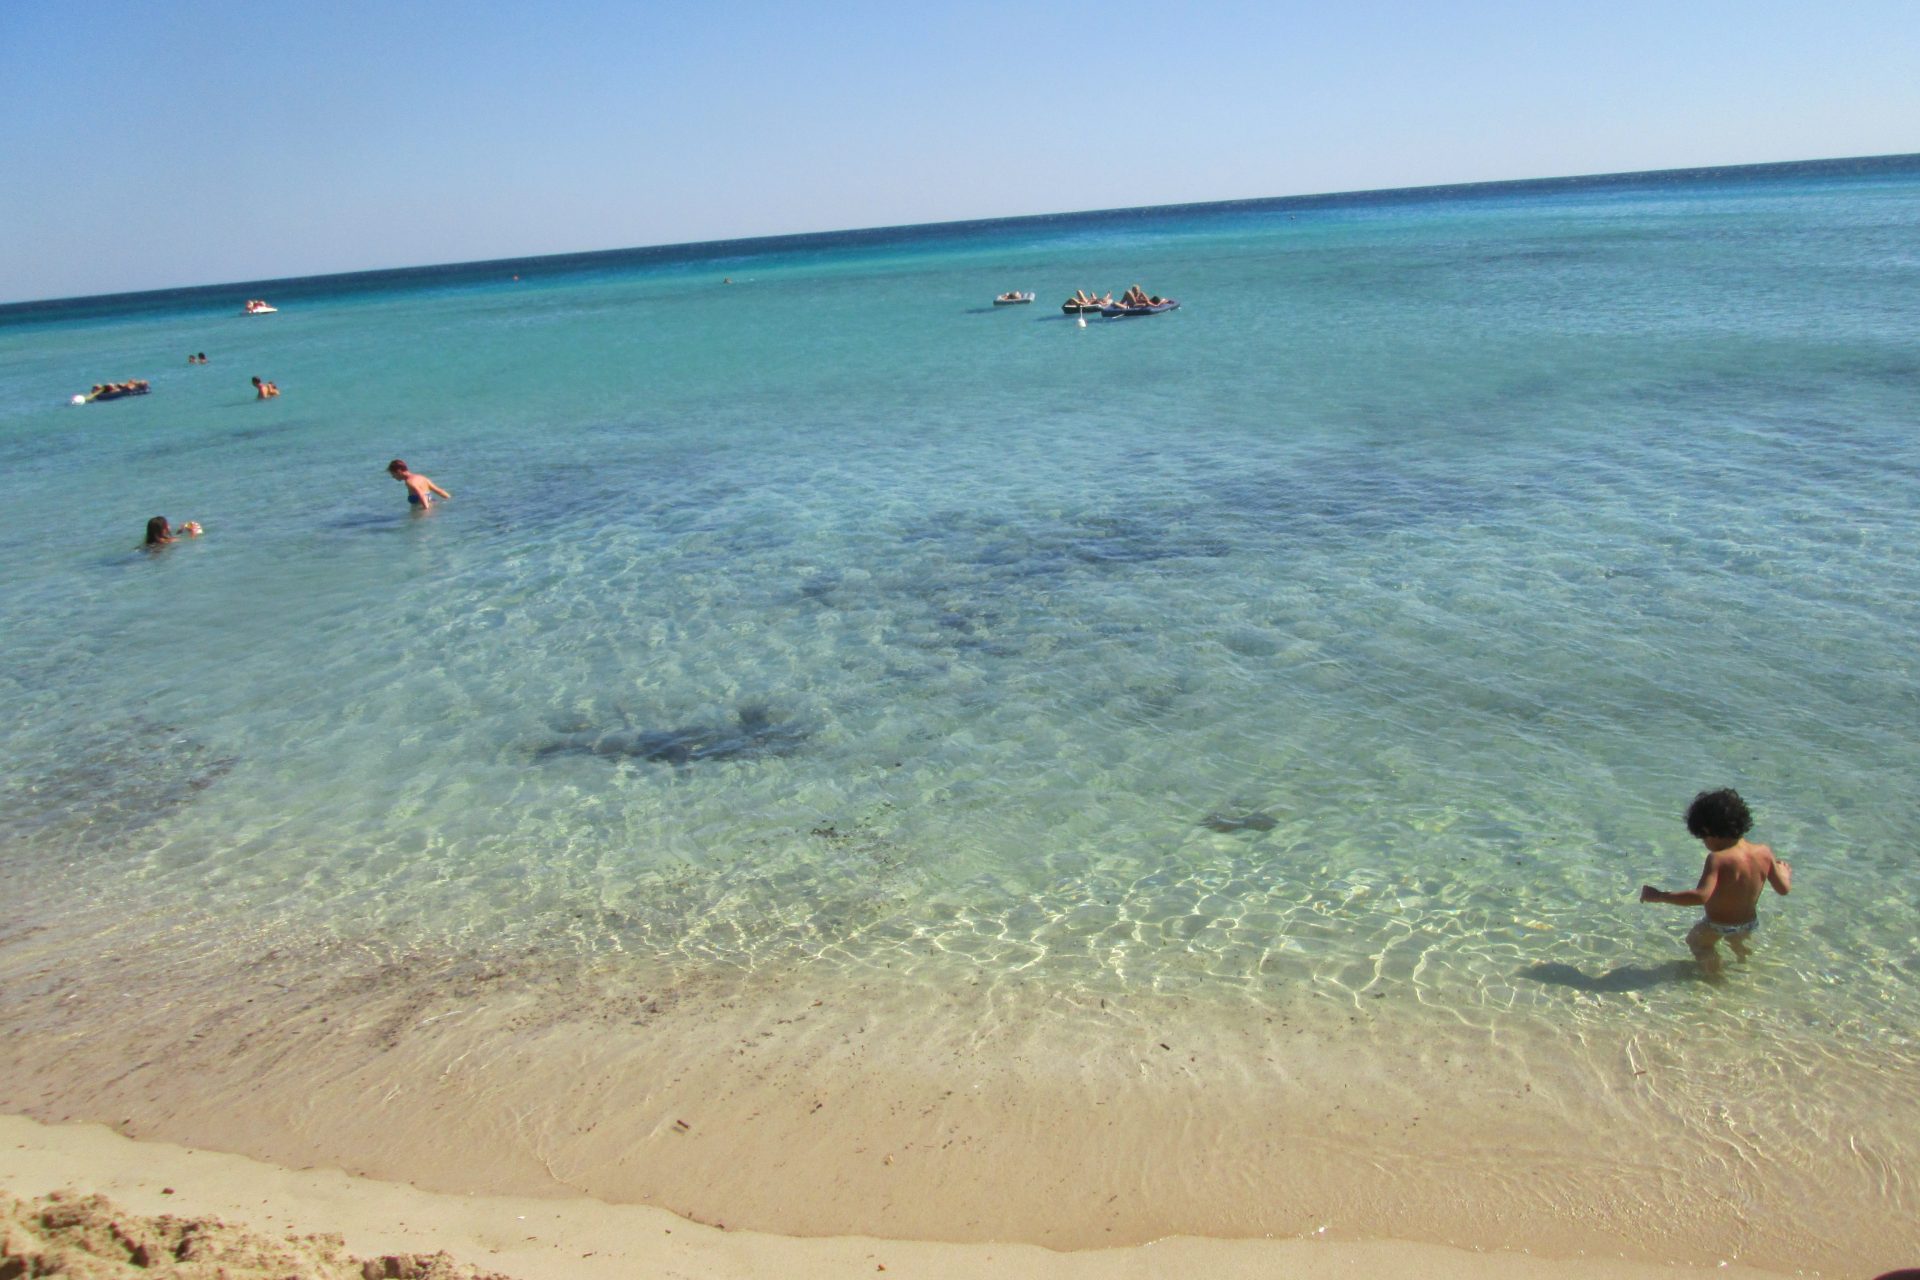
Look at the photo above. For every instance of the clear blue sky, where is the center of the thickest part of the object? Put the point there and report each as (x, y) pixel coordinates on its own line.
(146, 145)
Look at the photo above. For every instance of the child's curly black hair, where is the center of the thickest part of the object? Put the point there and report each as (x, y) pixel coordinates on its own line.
(1719, 815)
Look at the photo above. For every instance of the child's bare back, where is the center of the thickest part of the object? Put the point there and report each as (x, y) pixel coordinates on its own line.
(1734, 877)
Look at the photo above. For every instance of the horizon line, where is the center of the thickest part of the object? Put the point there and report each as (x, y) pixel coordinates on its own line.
(691, 249)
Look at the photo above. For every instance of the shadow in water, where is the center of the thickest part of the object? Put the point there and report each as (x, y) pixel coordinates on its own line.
(754, 733)
(370, 522)
(1627, 977)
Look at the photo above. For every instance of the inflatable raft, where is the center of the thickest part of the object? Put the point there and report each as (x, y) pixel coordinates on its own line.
(1153, 309)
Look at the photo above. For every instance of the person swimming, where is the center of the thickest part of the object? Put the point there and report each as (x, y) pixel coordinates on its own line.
(160, 533)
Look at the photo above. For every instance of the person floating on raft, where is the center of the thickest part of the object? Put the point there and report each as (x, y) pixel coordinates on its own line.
(1138, 302)
(1084, 301)
(115, 390)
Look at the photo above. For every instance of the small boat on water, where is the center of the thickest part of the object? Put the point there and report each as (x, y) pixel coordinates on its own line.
(257, 307)
(1074, 308)
(1151, 309)
(1013, 299)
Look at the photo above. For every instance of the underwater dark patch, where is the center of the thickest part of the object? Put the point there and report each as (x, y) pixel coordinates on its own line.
(1243, 822)
(752, 734)
(108, 787)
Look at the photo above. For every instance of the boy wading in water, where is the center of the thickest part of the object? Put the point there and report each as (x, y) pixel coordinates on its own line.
(1730, 884)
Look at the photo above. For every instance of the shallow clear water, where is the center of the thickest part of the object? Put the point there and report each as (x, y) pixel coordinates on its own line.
(834, 616)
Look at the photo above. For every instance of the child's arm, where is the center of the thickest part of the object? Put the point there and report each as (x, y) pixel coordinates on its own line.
(437, 489)
(1781, 877)
(1694, 897)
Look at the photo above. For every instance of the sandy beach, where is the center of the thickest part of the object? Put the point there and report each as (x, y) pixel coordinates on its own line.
(537, 1238)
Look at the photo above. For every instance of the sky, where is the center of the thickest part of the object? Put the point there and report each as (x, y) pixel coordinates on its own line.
(147, 146)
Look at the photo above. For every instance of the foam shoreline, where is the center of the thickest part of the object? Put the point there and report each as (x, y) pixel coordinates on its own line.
(534, 1239)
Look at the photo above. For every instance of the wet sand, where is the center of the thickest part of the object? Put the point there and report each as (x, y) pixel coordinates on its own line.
(539, 1238)
(824, 1104)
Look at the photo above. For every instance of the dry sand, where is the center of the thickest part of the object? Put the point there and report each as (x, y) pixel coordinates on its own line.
(65, 1233)
(241, 1212)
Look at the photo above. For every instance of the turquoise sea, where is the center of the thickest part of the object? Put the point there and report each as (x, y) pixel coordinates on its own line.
(1347, 642)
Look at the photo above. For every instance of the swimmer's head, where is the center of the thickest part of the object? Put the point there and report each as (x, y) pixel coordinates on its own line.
(396, 468)
(158, 532)
(1719, 815)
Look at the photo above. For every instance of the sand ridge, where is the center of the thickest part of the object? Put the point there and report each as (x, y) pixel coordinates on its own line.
(89, 1237)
